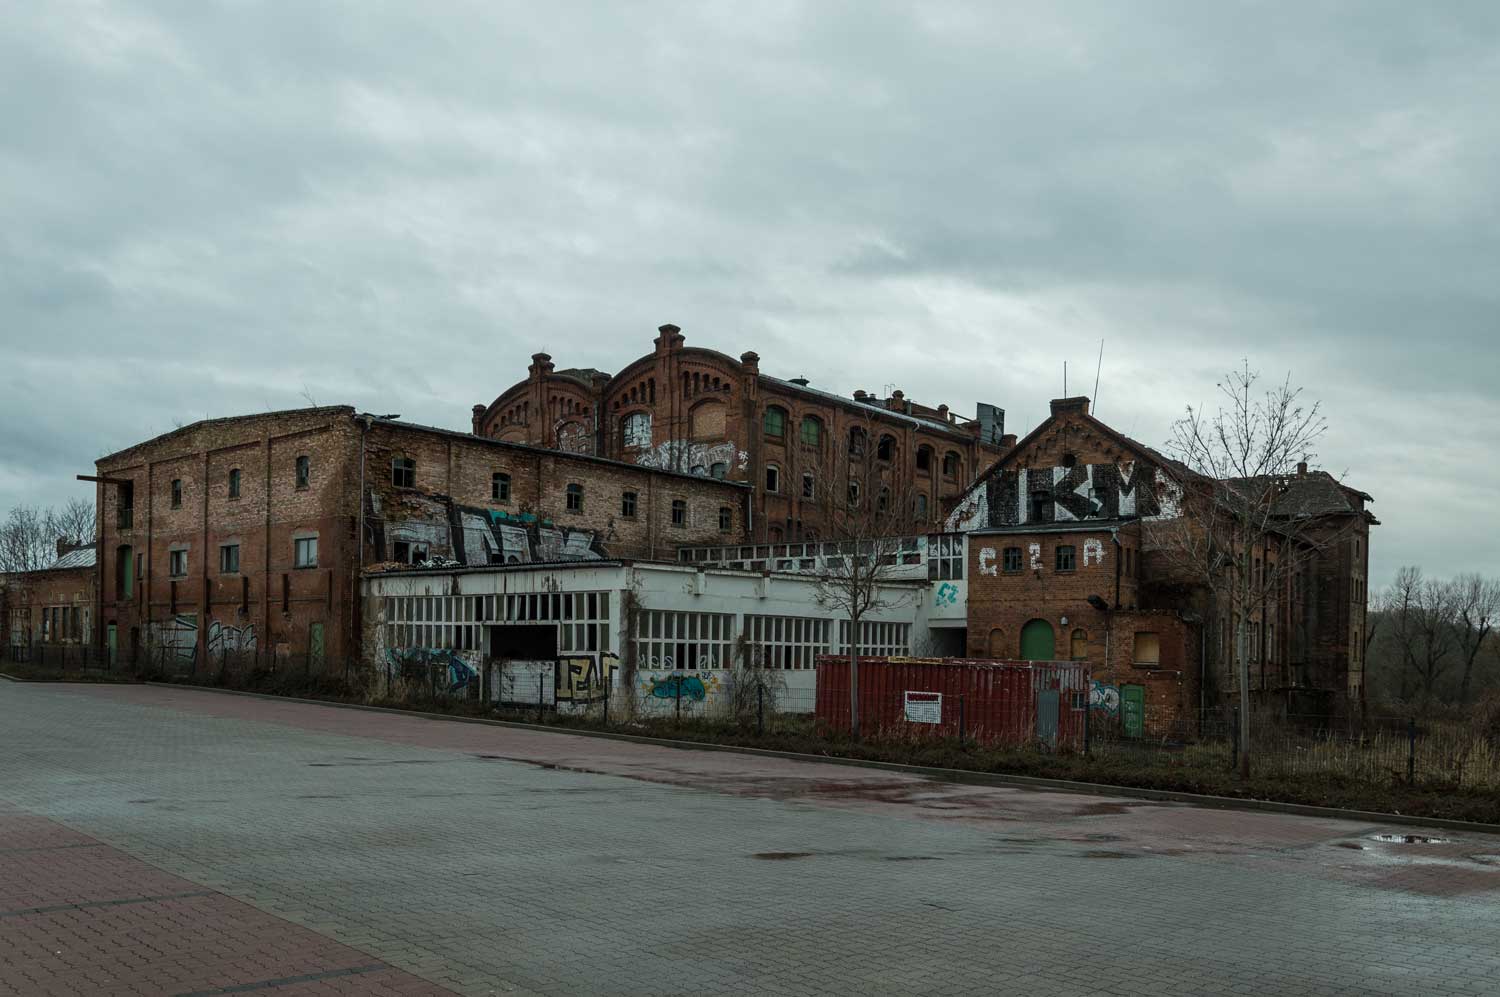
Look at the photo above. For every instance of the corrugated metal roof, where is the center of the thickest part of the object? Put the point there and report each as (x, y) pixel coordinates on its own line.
(86, 557)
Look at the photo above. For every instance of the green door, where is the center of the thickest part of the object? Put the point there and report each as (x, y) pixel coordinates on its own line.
(112, 641)
(1133, 709)
(1038, 642)
(315, 645)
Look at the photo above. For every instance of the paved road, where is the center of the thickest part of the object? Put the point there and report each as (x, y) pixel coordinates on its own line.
(172, 841)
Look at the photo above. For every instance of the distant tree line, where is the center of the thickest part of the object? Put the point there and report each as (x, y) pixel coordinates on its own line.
(1432, 642)
(29, 535)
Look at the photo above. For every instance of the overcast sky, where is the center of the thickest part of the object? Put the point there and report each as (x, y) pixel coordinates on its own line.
(216, 208)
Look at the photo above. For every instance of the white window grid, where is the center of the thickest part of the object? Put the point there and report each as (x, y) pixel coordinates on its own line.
(684, 641)
(792, 642)
(457, 621)
(945, 556)
(878, 640)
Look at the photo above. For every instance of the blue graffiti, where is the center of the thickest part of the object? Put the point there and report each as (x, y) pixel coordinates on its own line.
(947, 594)
(670, 687)
(417, 663)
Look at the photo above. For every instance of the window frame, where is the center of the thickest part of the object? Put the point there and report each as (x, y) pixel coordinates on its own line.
(177, 493)
(226, 568)
(177, 558)
(403, 472)
(629, 505)
(781, 419)
(958, 464)
(234, 483)
(810, 425)
(300, 547)
(726, 519)
(924, 460)
(679, 513)
(573, 497)
(1069, 551)
(500, 486)
(773, 479)
(302, 471)
(1005, 561)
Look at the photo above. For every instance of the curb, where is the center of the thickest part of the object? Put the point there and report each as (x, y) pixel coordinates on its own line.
(958, 776)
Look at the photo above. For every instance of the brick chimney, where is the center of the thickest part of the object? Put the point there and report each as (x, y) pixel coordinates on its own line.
(943, 413)
(541, 365)
(671, 338)
(1078, 403)
(1302, 469)
(751, 361)
(478, 418)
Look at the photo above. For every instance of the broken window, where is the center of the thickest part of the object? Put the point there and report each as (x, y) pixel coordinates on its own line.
(773, 478)
(886, 448)
(726, 519)
(304, 471)
(853, 494)
(177, 493)
(924, 459)
(500, 487)
(809, 485)
(950, 464)
(404, 472)
(409, 551)
(627, 505)
(637, 431)
(234, 482)
(575, 498)
(1041, 507)
(856, 441)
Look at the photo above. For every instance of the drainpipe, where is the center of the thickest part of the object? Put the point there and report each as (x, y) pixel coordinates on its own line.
(1114, 536)
(356, 638)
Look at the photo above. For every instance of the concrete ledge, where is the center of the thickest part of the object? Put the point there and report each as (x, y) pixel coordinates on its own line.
(967, 777)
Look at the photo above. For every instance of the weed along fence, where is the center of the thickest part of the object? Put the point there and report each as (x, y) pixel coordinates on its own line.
(987, 702)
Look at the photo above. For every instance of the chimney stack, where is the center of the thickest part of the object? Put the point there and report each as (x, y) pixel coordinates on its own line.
(478, 418)
(751, 361)
(1302, 469)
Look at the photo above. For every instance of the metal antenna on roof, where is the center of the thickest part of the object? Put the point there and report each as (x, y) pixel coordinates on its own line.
(1065, 379)
(1094, 405)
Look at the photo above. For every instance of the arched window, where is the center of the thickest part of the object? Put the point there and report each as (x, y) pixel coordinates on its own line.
(774, 425)
(924, 459)
(950, 464)
(921, 508)
(636, 430)
(809, 485)
(1078, 645)
(997, 643)
(856, 441)
(886, 448)
(812, 430)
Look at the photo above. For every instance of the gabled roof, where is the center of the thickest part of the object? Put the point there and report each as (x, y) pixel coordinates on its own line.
(83, 557)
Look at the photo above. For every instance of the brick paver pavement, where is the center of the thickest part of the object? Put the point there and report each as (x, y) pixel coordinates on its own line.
(488, 860)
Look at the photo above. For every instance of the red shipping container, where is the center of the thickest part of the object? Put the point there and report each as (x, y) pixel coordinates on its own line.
(1006, 702)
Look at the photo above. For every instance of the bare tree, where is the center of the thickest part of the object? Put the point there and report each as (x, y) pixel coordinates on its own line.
(1423, 616)
(867, 519)
(75, 522)
(1476, 602)
(27, 542)
(1239, 533)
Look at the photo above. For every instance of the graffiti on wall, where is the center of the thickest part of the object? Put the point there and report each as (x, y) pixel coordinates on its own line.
(176, 640)
(1093, 549)
(439, 665)
(584, 679)
(493, 536)
(226, 639)
(1014, 497)
(677, 687)
(1035, 552)
(697, 458)
(987, 565)
(947, 594)
(575, 437)
(1105, 697)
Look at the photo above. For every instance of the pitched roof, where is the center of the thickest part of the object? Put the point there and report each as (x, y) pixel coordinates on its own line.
(83, 557)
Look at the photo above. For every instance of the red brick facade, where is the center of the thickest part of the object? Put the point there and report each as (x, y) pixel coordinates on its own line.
(244, 533)
(700, 411)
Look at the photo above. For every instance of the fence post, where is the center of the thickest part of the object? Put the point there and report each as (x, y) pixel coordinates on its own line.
(1088, 709)
(760, 710)
(539, 697)
(1234, 741)
(679, 699)
(607, 684)
(1411, 751)
(960, 720)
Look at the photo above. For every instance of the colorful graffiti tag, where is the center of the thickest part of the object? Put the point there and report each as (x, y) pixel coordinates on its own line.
(585, 679)
(677, 687)
(1103, 696)
(418, 664)
(947, 594)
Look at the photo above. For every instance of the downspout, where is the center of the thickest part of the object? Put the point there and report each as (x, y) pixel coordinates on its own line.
(356, 637)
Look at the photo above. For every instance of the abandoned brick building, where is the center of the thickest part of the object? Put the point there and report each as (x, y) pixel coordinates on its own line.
(250, 532)
(702, 412)
(1070, 557)
(53, 605)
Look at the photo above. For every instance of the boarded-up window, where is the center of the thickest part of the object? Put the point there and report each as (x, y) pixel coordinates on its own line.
(708, 420)
(1147, 649)
(1078, 645)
